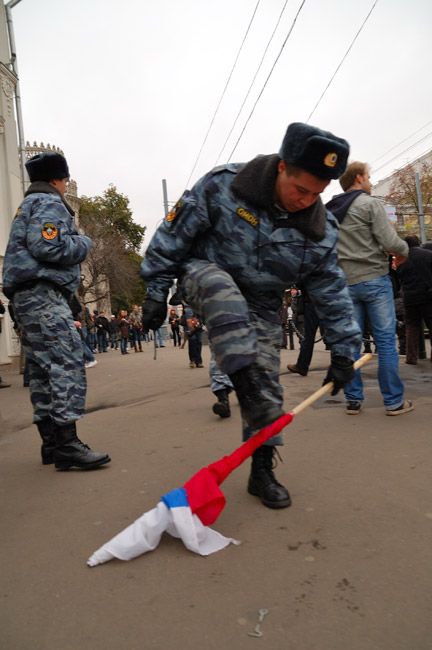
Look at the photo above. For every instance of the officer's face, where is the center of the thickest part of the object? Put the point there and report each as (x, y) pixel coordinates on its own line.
(298, 192)
(61, 185)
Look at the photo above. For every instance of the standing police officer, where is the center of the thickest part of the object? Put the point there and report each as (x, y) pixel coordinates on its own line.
(40, 275)
(236, 241)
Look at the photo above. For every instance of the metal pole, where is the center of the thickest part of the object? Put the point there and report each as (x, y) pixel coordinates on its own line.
(420, 209)
(165, 196)
(14, 65)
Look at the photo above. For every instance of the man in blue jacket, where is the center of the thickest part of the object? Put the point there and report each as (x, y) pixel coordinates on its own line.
(41, 272)
(236, 241)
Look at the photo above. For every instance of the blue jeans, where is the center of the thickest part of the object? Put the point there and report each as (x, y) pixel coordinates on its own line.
(88, 354)
(374, 299)
(91, 340)
(159, 339)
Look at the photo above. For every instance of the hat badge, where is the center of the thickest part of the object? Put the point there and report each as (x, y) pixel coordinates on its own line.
(331, 159)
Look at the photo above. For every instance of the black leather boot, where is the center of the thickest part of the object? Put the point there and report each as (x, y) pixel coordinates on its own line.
(222, 406)
(257, 410)
(262, 481)
(46, 428)
(71, 452)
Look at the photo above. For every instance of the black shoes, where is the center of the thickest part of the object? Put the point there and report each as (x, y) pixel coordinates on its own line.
(256, 409)
(353, 407)
(262, 481)
(294, 368)
(222, 406)
(71, 452)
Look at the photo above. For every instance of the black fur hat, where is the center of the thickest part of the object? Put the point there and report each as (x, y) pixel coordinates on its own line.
(47, 167)
(315, 151)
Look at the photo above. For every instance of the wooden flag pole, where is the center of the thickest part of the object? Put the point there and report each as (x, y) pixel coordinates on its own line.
(327, 387)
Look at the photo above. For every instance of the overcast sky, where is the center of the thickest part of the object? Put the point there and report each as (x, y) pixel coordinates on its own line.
(128, 89)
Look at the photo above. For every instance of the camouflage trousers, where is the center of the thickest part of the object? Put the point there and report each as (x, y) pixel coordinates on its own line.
(218, 379)
(54, 353)
(238, 336)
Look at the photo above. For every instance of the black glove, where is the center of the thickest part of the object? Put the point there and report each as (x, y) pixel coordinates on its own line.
(340, 372)
(153, 314)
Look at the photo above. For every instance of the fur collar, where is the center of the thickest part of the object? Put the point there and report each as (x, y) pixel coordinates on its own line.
(42, 187)
(255, 183)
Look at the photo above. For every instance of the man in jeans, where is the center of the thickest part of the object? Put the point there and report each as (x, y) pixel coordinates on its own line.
(365, 239)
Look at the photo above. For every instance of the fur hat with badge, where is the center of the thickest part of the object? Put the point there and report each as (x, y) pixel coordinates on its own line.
(47, 167)
(315, 151)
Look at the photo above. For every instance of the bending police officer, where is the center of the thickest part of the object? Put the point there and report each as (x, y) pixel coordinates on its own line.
(235, 241)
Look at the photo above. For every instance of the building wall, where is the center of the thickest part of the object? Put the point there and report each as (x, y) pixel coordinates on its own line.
(407, 216)
(382, 188)
(11, 193)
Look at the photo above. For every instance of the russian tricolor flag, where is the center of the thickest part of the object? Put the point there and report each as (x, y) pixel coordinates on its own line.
(188, 511)
(172, 515)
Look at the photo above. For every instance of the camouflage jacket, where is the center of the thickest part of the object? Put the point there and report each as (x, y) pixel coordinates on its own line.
(230, 218)
(44, 243)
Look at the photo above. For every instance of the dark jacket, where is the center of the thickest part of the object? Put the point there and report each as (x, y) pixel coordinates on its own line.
(124, 328)
(102, 323)
(416, 276)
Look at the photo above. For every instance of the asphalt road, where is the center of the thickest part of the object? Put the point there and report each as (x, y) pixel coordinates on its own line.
(347, 567)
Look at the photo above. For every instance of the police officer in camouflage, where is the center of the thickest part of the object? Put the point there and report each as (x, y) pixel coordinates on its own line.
(242, 235)
(40, 275)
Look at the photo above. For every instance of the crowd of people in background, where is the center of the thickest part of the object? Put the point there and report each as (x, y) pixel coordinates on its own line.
(101, 332)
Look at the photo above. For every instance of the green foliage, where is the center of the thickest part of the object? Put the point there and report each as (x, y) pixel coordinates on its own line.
(113, 264)
(112, 210)
(123, 297)
(403, 193)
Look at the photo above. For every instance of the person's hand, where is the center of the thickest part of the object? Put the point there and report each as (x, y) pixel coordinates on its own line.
(340, 372)
(397, 260)
(153, 314)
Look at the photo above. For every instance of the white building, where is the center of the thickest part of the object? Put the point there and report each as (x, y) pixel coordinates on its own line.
(11, 191)
(407, 217)
(382, 188)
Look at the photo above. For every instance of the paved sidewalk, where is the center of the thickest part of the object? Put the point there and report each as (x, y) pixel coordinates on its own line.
(347, 567)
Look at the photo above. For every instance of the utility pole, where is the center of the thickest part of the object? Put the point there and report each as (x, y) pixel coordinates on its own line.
(420, 209)
(14, 66)
(165, 196)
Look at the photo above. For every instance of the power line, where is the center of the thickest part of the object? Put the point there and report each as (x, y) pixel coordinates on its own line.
(341, 62)
(223, 93)
(402, 152)
(401, 142)
(268, 77)
(252, 83)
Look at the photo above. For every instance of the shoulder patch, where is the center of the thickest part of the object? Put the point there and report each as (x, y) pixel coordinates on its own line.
(172, 214)
(247, 216)
(49, 231)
